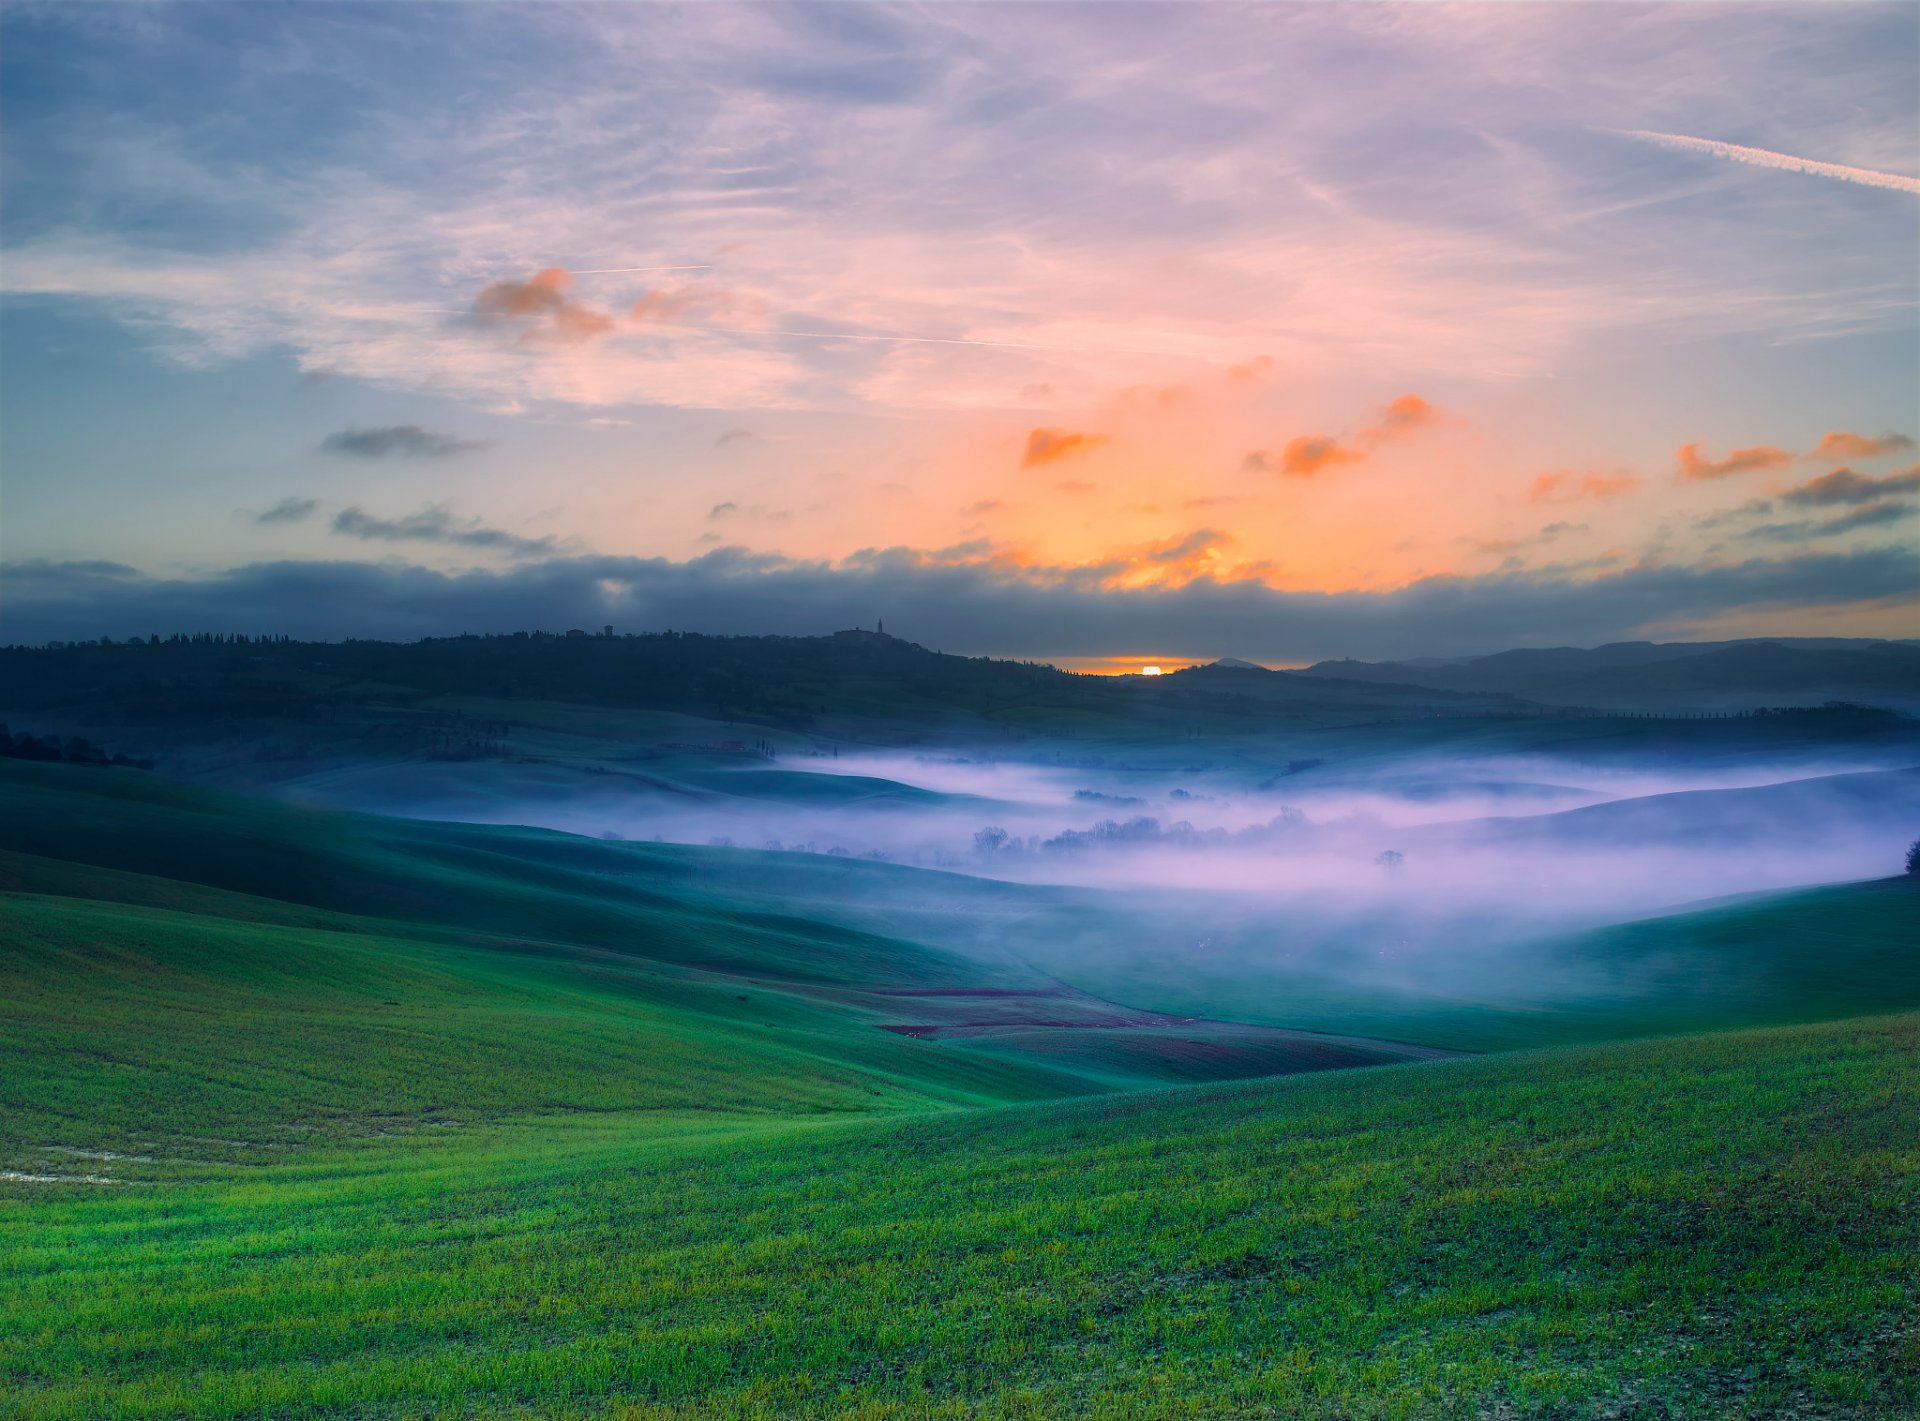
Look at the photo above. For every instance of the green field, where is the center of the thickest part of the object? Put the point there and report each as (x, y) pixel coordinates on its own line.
(1715, 1227)
(316, 1114)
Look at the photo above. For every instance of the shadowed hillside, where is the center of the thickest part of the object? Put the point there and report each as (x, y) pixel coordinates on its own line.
(1692, 675)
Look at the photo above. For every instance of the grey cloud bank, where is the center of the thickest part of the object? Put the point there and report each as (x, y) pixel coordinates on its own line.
(966, 608)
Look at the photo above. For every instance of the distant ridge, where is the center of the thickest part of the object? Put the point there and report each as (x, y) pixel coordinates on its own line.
(1701, 675)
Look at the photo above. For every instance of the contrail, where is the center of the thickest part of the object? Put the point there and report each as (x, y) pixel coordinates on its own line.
(1786, 162)
(617, 270)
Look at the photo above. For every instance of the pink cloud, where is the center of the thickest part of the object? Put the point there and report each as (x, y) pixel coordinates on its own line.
(1695, 466)
(542, 303)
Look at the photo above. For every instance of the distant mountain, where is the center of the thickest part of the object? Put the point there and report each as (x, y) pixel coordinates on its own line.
(1698, 675)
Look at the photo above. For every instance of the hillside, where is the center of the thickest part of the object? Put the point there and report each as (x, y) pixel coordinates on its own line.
(306, 1113)
(1697, 675)
(243, 958)
(1712, 1227)
(1039, 989)
(881, 685)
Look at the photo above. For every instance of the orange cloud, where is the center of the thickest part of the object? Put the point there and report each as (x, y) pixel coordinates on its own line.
(1841, 445)
(542, 303)
(1250, 369)
(1566, 488)
(1172, 563)
(1403, 416)
(1694, 465)
(1074, 486)
(1046, 446)
(1310, 453)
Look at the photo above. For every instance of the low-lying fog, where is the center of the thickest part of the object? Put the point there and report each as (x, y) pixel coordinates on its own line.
(1530, 842)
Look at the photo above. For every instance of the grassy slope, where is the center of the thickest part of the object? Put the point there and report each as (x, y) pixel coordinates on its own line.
(490, 1123)
(865, 935)
(1804, 955)
(414, 971)
(1714, 1227)
(128, 1025)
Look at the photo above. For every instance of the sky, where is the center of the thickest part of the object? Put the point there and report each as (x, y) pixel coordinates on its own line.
(1094, 333)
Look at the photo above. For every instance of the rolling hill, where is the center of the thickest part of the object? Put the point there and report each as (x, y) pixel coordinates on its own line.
(306, 1114)
(1697, 675)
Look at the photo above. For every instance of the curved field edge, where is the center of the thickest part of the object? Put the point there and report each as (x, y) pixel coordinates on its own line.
(1718, 1226)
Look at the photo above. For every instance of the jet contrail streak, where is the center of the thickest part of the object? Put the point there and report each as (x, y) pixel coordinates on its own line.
(1785, 162)
(615, 270)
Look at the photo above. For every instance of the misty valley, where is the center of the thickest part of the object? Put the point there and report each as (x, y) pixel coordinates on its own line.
(840, 710)
(462, 966)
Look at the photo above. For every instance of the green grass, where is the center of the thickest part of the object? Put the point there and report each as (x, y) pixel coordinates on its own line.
(862, 934)
(1769, 959)
(308, 1114)
(130, 1025)
(1715, 1227)
(420, 971)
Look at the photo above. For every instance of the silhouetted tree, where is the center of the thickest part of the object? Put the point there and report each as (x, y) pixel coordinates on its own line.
(1390, 859)
(1913, 857)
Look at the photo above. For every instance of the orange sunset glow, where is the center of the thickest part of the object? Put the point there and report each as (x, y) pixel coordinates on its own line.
(1500, 311)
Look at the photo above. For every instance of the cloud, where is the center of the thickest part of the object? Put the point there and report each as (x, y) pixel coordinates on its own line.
(985, 505)
(1047, 446)
(663, 126)
(1785, 162)
(1073, 486)
(1542, 535)
(1184, 549)
(739, 434)
(438, 525)
(664, 305)
(541, 307)
(288, 510)
(1841, 445)
(1573, 488)
(1307, 455)
(1153, 396)
(1845, 486)
(759, 512)
(397, 441)
(1251, 369)
(1876, 515)
(1403, 416)
(979, 607)
(1694, 465)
